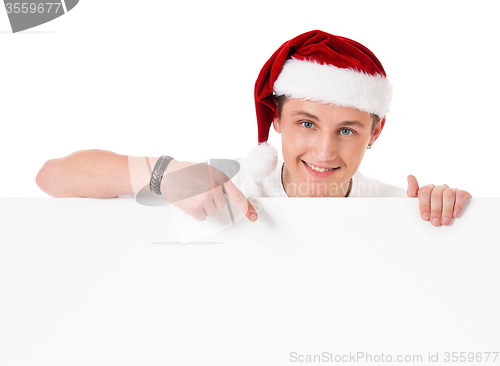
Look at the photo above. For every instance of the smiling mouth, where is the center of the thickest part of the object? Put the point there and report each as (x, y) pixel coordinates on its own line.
(317, 169)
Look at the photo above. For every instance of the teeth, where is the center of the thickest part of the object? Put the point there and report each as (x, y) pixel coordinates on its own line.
(321, 170)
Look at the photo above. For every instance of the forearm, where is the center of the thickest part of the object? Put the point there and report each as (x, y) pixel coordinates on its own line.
(95, 174)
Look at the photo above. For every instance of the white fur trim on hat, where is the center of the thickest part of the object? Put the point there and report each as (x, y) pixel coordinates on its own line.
(329, 84)
(260, 161)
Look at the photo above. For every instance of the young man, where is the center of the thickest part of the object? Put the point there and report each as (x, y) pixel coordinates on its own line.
(326, 95)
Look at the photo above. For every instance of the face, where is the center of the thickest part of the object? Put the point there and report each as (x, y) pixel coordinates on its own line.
(323, 146)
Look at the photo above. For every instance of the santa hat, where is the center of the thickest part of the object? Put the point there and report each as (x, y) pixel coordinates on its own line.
(320, 67)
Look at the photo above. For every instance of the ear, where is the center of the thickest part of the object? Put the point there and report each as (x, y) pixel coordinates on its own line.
(276, 124)
(378, 129)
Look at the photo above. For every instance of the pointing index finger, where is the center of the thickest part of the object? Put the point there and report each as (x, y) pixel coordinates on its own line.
(235, 195)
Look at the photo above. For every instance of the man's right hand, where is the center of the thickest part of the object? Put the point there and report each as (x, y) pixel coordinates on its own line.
(198, 190)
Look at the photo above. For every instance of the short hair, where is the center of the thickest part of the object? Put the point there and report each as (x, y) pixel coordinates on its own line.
(280, 100)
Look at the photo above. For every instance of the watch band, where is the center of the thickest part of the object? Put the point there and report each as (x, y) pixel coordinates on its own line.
(157, 174)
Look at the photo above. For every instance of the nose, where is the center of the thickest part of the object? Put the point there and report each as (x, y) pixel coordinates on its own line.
(324, 147)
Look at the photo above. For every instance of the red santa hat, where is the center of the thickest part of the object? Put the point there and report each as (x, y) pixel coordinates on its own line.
(320, 67)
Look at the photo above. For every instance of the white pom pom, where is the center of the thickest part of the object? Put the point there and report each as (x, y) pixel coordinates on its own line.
(260, 161)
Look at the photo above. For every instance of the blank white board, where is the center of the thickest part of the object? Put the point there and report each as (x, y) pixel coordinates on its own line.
(101, 282)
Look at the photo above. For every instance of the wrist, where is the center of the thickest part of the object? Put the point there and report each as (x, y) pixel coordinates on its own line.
(172, 166)
(161, 165)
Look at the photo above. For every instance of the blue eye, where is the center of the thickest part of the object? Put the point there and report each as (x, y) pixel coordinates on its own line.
(307, 124)
(346, 133)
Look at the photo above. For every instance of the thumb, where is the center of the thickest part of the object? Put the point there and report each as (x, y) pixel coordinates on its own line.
(412, 186)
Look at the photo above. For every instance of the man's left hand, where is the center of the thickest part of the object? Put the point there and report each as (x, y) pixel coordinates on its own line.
(437, 204)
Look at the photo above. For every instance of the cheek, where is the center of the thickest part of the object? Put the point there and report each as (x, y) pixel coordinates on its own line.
(356, 149)
(294, 141)
(294, 145)
(354, 153)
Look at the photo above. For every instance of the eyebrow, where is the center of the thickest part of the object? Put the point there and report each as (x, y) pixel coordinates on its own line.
(312, 116)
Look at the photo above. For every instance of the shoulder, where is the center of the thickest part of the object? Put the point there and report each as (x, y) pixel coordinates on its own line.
(363, 186)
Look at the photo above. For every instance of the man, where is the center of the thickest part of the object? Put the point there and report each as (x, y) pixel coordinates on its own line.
(326, 95)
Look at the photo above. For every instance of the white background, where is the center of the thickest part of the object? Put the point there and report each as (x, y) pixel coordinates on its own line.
(161, 77)
(102, 282)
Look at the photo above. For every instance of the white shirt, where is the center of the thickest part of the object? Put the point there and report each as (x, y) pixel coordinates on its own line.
(362, 186)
